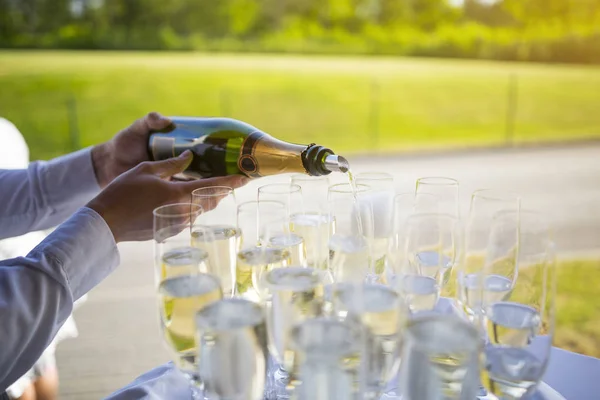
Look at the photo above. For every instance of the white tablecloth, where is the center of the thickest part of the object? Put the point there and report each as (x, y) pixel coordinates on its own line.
(574, 376)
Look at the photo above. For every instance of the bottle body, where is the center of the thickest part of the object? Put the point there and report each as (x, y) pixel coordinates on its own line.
(225, 146)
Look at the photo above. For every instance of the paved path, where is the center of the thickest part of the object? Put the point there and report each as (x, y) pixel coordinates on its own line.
(118, 326)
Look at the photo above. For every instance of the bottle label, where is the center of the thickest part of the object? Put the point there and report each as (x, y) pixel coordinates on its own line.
(247, 162)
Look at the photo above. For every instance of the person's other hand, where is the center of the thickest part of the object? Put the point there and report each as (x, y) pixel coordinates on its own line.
(127, 203)
(127, 149)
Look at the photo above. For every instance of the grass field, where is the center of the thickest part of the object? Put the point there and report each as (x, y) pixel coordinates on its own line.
(578, 319)
(350, 104)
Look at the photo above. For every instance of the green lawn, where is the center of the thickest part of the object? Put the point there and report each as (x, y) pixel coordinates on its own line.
(351, 104)
(578, 320)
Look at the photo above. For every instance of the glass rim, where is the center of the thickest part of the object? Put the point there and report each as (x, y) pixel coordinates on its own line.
(335, 188)
(256, 203)
(431, 316)
(495, 194)
(214, 280)
(291, 188)
(158, 211)
(438, 180)
(217, 191)
(374, 175)
(290, 286)
(200, 318)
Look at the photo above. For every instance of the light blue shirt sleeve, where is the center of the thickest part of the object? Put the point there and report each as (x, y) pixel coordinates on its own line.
(37, 291)
(46, 193)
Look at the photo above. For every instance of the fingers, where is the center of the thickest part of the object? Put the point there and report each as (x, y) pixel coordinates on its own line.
(171, 166)
(152, 121)
(232, 181)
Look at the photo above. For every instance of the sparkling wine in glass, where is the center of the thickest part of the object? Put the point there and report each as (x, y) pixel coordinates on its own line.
(520, 328)
(232, 349)
(222, 241)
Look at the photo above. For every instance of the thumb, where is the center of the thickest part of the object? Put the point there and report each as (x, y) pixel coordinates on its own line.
(171, 166)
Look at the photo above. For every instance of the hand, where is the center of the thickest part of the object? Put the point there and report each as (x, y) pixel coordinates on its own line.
(127, 149)
(128, 202)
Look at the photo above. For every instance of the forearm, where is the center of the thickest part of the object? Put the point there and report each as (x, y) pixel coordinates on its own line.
(46, 193)
(37, 291)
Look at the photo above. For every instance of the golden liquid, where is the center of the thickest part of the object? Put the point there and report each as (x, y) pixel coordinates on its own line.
(252, 263)
(181, 298)
(183, 261)
(294, 244)
(221, 244)
(297, 294)
(316, 230)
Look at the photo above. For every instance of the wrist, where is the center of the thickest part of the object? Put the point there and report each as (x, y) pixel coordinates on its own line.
(101, 160)
(103, 211)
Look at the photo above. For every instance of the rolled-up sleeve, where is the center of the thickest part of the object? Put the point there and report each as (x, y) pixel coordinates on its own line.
(46, 193)
(37, 291)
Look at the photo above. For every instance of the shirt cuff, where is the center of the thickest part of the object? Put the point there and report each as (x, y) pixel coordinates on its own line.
(85, 249)
(70, 179)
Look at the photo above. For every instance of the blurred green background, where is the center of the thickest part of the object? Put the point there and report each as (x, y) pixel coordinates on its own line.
(359, 76)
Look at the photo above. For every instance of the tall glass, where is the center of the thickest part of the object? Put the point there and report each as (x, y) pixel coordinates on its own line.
(223, 243)
(381, 202)
(256, 221)
(288, 194)
(182, 284)
(405, 205)
(378, 181)
(232, 349)
(440, 359)
(173, 251)
(429, 251)
(380, 310)
(313, 224)
(519, 327)
(485, 203)
(328, 351)
(447, 191)
(349, 249)
(492, 278)
(295, 294)
(291, 197)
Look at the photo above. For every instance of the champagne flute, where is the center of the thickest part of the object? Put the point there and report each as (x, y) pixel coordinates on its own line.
(288, 194)
(381, 203)
(223, 243)
(429, 252)
(440, 358)
(378, 181)
(485, 203)
(349, 250)
(255, 256)
(291, 197)
(295, 294)
(314, 224)
(520, 329)
(232, 349)
(328, 351)
(380, 310)
(447, 191)
(173, 253)
(499, 266)
(405, 205)
(182, 284)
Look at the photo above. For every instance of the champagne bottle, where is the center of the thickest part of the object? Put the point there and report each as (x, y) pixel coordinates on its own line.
(225, 146)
